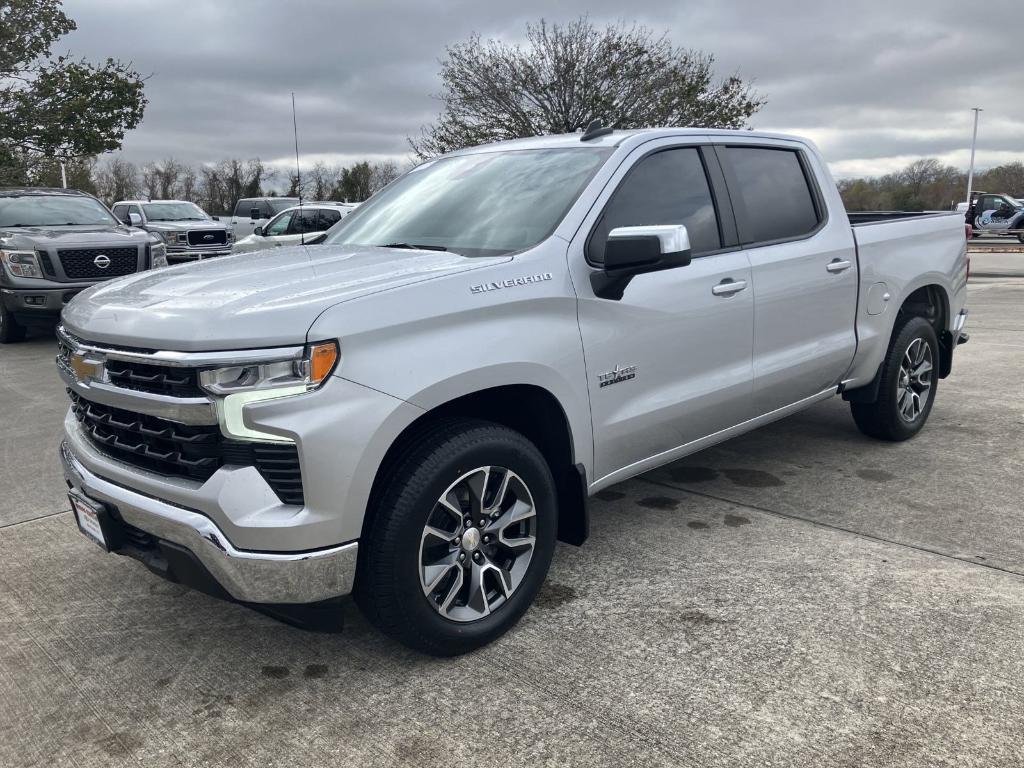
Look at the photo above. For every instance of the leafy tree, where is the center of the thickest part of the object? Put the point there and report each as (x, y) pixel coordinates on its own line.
(56, 107)
(355, 183)
(568, 75)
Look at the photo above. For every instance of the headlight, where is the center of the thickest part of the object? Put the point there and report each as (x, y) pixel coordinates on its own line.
(158, 255)
(237, 386)
(21, 263)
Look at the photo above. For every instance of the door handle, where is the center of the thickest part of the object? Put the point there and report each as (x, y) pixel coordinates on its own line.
(728, 287)
(838, 265)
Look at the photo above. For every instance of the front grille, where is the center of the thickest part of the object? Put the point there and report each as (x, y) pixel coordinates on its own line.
(80, 263)
(198, 237)
(158, 379)
(179, 450)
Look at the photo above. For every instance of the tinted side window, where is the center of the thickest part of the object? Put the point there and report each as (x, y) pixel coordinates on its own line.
(242, 208)
(668, 187)
(120, 211)
(303, 221)
(328, 218)
(777, 202)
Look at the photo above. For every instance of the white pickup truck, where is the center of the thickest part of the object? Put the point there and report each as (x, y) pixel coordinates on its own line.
(415, 411)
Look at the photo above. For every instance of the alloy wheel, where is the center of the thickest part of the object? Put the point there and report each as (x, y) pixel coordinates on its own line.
(477, 543)
(915, 380)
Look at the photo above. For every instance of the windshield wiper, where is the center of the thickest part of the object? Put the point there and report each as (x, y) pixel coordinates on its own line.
(414, 247)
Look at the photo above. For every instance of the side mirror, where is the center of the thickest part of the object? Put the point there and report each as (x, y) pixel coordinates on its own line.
(254, 214)
(632, 251)
(134, 220)
(215, 218)
(258, 231)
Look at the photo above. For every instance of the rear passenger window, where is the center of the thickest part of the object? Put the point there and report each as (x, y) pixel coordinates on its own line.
(668, 187)
(328, 218)
(776, 199)
(303, 220)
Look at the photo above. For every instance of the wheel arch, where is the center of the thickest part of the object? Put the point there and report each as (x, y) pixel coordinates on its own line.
(930, 301)
(529, 409)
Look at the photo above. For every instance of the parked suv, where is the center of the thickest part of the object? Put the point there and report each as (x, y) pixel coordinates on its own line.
(252, 212)
(417, 409)
(54, 243)
(294, 226)
(186, 229)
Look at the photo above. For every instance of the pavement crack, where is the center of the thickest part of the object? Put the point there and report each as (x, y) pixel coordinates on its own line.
(831, 527)
(35, 519)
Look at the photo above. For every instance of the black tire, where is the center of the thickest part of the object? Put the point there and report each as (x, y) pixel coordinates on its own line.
(883, 419)
(10, 330)
(388, 585)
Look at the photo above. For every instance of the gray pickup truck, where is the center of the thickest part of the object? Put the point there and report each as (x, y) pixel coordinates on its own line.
(53, 244)
(189, 233)
(416, 410)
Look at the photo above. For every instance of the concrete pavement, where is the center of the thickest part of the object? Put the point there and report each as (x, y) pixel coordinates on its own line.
(799, 596)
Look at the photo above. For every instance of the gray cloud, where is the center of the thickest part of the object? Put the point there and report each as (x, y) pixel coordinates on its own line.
(875, 84)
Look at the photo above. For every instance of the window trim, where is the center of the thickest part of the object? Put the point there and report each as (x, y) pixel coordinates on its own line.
(716, 187)
(740, 210)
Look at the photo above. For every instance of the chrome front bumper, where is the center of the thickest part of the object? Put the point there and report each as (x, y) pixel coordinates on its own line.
(247, 576)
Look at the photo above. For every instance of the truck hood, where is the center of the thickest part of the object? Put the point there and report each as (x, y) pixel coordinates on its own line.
(263, 299)
(81, 236)
(182, 225)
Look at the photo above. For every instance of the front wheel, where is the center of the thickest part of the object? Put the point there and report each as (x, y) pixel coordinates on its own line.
(907, 389)
(460, 540)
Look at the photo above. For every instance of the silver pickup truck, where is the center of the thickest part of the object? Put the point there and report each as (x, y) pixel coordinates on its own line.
(415, 411)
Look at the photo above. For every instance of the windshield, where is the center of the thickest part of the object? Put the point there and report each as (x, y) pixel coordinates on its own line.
(174, 212)
(483, 204)
(52, 211)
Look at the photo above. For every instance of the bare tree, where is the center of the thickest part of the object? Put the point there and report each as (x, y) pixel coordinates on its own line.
(382, 174)
(568, 75)
(162, 180)
(117, 179)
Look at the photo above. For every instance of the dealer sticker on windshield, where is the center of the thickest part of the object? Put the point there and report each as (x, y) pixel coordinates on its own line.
(87, 515)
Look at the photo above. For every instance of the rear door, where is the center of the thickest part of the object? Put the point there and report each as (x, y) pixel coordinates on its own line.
(804, 268)
(670, 362)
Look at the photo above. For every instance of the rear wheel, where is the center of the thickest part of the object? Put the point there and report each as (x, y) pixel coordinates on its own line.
(908, 385)
(10, 330)
(461, 538)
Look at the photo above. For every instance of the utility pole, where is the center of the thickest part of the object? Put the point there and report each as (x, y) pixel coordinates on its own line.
(974, 143)
(63, 175)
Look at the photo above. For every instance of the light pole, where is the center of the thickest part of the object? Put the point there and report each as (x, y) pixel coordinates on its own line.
(974, 142)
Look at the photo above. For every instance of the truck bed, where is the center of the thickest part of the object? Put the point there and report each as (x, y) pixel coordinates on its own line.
(859, 218)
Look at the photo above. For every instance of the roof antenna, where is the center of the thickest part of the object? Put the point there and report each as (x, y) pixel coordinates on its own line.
(298, 172)
(595, 130)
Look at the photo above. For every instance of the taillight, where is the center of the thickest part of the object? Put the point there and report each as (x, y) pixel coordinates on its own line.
(968, 231)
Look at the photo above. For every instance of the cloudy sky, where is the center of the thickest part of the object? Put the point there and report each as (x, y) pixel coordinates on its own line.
(876, 83)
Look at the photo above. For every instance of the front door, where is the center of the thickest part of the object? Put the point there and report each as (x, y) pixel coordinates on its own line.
(669, 362)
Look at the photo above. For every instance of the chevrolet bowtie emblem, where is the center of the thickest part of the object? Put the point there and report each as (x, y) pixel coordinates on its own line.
(85, 369)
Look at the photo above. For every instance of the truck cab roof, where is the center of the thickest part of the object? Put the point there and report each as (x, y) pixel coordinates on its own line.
(619, 138)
